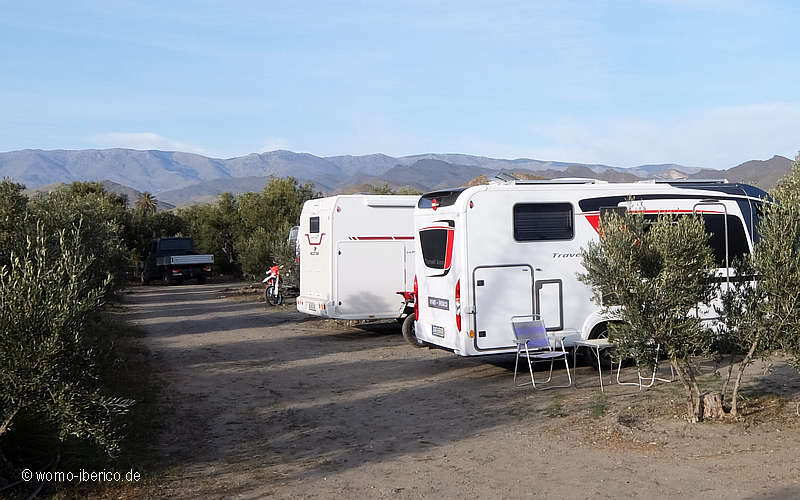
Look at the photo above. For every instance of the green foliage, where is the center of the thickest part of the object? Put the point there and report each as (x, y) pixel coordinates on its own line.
(247, 233)
(49, 361)
(13, 207)
(384, 188)
(146, 204)
(101, 219)
(654, 275)
(777, 263)
(212, 228)
(407, 190)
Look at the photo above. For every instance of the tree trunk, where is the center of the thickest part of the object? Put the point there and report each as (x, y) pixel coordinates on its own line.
(698, 398)
(728, 378)
(690, 403)
(712, 405)
(738, 383)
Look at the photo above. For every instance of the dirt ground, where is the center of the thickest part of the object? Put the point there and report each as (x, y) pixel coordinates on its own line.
(267, 402)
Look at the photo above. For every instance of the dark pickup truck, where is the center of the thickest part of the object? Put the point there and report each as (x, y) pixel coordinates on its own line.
(173, 260)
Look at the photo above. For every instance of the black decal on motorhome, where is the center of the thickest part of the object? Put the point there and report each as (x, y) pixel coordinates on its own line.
(443, 198)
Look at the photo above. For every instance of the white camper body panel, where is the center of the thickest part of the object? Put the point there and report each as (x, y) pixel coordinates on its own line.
(356, 253)
(498, 276)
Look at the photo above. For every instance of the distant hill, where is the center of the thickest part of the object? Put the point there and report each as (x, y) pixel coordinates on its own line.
(180, 178)
(762, 173)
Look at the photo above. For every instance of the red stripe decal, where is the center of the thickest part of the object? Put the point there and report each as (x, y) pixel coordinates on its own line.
(593, 218)
(380, 238)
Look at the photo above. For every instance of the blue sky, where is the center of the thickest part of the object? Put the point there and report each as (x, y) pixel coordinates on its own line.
(703, 83)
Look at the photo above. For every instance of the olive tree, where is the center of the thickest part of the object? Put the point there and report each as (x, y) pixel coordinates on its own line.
(652, 276)
(49, 357)
(762, 306)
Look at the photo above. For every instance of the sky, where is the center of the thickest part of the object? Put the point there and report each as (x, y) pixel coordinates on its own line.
(707, 83)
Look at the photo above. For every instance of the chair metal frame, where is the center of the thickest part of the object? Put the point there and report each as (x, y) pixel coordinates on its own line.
(534, 344)
(652, 378)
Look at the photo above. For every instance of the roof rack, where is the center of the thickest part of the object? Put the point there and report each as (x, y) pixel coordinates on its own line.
(561, 180)
(691, 181)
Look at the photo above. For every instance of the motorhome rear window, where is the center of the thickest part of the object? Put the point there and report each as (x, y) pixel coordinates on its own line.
(543, 221)
(437, 246)
(313, 225)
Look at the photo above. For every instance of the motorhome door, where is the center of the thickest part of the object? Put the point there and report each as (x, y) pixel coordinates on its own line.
(500, 292)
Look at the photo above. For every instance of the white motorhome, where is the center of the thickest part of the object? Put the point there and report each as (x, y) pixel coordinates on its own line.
(356, 253)
(487, 253)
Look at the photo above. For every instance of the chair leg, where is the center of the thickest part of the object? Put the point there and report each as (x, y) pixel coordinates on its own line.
(550, 375)
(530, 366)
(516, 364)
(566, 365)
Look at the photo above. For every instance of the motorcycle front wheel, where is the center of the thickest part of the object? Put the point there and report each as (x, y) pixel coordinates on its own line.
(272, 298)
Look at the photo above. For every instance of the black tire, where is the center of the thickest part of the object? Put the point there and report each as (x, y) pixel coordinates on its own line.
(408, 332)
(167, 278)
(599, 332)
(201, 280)
(274, 300)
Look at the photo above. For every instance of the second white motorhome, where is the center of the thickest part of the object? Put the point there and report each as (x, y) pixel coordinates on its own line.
(488, 253)
(356, 253)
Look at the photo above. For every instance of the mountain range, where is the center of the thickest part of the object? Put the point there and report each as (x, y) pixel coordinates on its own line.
(179, 178)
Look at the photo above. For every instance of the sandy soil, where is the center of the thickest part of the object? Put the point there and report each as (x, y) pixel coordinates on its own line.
(259, 402)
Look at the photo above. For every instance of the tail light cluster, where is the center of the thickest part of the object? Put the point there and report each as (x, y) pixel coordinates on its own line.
(416, 300)
(458, 305)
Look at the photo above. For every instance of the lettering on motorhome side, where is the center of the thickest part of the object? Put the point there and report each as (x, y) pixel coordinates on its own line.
(557, 255)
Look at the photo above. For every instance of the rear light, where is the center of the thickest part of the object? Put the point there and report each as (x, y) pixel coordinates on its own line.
(207, 269)
(416, 300)
(176, 271)
(458, 305)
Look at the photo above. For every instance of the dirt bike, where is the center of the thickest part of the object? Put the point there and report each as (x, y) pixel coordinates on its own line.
(272, 286)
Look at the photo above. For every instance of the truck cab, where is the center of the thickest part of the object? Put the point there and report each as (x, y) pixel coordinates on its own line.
(173, 260)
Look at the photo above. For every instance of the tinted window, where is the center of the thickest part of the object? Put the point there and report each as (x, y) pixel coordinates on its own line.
(737, 241)
(437, 247)
(715, 227)
(169, 245)
(543, 221)
(313, 225)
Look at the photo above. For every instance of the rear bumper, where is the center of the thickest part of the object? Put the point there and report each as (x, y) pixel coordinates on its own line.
(314, 306)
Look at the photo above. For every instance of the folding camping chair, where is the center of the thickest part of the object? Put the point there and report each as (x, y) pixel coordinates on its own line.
(533, 343)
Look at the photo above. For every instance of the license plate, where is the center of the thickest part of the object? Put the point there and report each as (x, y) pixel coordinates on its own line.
(312, 306)
(437, 331)
(438, 303)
